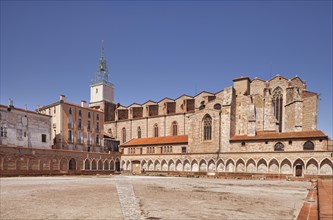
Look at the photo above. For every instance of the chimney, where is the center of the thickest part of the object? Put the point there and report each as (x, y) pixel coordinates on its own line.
(83, 103)
(62, 98)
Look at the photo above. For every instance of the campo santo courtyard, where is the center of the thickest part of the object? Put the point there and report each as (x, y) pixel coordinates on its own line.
(146, 197)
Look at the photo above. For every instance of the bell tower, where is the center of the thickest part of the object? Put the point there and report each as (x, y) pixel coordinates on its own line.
(100, 88)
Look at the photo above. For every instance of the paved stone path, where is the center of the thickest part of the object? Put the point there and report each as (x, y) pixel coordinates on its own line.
(127, 199)
(325, 199)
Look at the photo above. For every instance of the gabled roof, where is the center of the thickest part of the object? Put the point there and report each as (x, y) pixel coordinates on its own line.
(297, 77)
(134, 105)
(121, 107)
(204, 92)
(182, 139)
(277, 135)
(166, 99)
(184, 95)
(150, 102)
(258, 79)
(278, 75)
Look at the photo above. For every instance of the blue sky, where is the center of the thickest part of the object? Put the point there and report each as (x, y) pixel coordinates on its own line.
(158, 49)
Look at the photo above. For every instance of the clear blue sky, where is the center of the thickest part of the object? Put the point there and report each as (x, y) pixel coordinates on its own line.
(156, 49)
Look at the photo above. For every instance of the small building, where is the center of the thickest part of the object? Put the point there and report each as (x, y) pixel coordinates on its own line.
(75, 127)
(24, 128)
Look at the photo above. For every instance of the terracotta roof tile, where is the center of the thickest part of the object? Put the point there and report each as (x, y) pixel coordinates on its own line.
(276, 135)
(157, 141)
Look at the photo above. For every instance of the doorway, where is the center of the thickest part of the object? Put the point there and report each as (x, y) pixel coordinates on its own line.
(299, 170)
(136, 167)
(72, 164)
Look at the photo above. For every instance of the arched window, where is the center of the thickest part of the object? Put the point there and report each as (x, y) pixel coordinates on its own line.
(124, 134)
(155, 130)
(278, 105)
(174, 128)
(308, 145)
(139, 132)
(278, 147)
(207, 127)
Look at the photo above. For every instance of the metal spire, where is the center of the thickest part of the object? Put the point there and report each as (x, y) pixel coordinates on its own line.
(102, 75)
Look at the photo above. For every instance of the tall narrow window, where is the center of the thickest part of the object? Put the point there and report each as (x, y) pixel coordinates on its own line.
(174, 128)
(70, 136)
(89, 115)
(97, 117)
(155, 130)
(207, 127)
(70, 111)
(278, 106)
(97, 139)
(139, 132)
(124, 134)
(80, 113)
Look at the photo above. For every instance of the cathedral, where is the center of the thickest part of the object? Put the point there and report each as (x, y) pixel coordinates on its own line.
(257, 126)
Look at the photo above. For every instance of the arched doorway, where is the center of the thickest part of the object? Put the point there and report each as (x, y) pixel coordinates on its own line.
(298, 170)
(72, 164)
(117, 165)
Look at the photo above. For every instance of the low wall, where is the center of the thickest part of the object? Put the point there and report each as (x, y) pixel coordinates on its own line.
(16, 161)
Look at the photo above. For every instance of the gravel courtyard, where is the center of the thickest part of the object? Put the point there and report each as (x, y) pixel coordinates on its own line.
(141, 197)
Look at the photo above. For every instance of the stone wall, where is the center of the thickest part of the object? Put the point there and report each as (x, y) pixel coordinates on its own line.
(34, 161)
(24, 128)
(316, 163)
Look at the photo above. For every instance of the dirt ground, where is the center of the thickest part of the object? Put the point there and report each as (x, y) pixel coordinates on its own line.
(96, 197)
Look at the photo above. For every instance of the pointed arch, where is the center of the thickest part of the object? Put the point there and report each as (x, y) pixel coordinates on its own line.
(164, 165)
(230, 165)
(123, 132)
(171, 165)
(174, 128)
(150, 165)
(285, 167)
(251, 166)
(211, 165)
(194, 166)
(155, 130)
(111, 165)
(262, 166)
(144, 165)
(273, 166)
(220, 166)
(100, 165)
(93, 165)
(240, 166)
(72, 164)
(139, 132)
(298, 167)
(106, 165)
(157, 165)
(207, 127)
(326, 167)
(312, 167)
(179, 165)
(277, 99)
(187, 165)
(86, 163)
(203, 165)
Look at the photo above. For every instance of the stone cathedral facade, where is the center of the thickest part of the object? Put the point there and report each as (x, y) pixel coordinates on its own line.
(254, 126)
